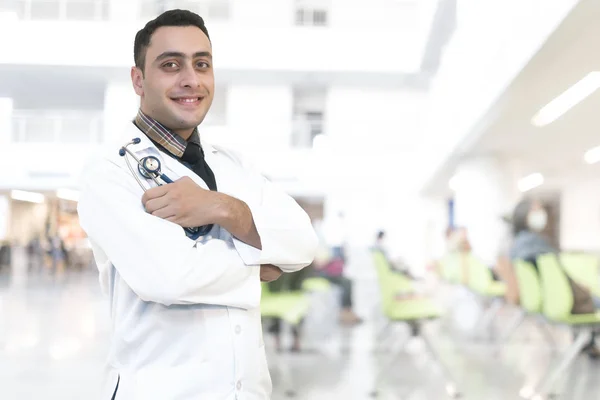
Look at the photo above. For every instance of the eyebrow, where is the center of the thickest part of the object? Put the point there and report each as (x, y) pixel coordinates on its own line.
(178, 54)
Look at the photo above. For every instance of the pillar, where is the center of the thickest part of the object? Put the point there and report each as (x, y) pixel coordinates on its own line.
(485, 191)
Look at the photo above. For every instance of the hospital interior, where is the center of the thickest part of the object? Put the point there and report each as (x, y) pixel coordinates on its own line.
(447, 153)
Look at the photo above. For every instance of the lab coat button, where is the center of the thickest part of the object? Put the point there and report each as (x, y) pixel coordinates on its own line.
(238, 329)
(239, 385)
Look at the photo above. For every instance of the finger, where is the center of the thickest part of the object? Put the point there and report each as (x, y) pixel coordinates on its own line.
(156, 204)
(164, 213)
(155, 192)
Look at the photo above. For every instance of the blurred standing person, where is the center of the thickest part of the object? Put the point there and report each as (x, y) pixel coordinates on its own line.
(334, 234)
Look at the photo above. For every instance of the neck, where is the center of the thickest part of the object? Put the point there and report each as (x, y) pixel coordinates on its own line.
(185, 134)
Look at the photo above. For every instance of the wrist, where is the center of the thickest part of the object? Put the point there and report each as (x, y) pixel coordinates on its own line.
(223, 212)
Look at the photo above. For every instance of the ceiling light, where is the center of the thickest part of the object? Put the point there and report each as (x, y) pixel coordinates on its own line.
(68, 194)
(31, 197)
(530, 182)
(567, 100)
(592, 156)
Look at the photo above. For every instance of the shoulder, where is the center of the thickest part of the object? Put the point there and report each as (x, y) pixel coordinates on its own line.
(227, 152)
(235, 157)
(107, 156)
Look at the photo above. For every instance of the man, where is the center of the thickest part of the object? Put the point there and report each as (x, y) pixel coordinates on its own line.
(185, 313)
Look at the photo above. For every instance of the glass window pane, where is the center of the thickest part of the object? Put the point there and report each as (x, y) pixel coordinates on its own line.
(45, 9)
(80, 9)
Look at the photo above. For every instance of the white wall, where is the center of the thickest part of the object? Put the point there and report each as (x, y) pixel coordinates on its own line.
(121, 104)
(235, 47)
(370, 172)
(260, 117)
(4, 216)
(580, 216)
(6, 111)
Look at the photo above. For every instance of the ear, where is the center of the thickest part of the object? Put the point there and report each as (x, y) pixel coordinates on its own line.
(137, 77)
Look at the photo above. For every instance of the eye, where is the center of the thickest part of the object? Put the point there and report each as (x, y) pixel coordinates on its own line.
(170, 65)
(202, 64)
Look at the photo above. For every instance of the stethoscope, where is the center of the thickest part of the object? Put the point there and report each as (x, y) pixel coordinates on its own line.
(150, 168)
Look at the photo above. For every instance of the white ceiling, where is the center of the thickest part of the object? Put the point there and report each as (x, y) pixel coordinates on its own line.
(555, 150)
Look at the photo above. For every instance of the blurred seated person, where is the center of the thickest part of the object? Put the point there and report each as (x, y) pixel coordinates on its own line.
(458, 242)
(331, 267)
(397, 265)
(504, 268)
(529, 221)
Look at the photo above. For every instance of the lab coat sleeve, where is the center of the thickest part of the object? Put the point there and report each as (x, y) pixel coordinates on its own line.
(154, 256)
(286, 233)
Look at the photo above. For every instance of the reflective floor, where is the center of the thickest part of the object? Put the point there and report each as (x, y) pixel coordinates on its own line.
(53, 340)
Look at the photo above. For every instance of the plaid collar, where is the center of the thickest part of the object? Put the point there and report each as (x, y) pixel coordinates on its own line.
(163, 136)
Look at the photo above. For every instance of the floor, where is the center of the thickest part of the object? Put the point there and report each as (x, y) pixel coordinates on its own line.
(53, 340)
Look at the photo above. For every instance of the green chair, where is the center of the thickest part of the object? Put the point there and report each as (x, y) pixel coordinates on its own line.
(530, 302)
(491, 292)
(583, 269)
(316, 284)
(557, 302)
(413, 311)
(451, 270)
(291, 307)
(481, 279)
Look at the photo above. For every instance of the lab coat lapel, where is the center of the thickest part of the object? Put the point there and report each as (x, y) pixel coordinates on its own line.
(170, 166)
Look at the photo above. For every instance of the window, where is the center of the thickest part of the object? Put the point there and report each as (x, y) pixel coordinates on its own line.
(210, 10)
(312, 13)
(309, 105)
(57, 126)
(79, 10)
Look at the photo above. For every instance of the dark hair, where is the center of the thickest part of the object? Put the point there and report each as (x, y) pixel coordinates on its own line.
(168, 18)
(519, 217)
(380, 234)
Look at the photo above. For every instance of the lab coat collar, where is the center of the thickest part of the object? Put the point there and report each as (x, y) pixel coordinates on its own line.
(145, 143)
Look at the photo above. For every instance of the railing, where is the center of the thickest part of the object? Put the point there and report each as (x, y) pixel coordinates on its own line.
(99, 10)
(209, 9)
(75, 127)
(82, 10)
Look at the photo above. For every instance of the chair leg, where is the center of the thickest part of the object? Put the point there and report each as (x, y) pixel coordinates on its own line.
(381, 336)
(484, 325)
(544, 388)
(512, 327)
(546, 330)
(382, 372)
(451, 388)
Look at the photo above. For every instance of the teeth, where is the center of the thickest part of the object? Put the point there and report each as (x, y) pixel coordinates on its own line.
(188, 100)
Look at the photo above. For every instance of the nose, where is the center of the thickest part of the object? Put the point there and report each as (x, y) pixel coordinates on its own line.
(189, 78)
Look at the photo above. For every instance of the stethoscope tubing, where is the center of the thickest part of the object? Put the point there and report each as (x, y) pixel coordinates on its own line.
(194, 233)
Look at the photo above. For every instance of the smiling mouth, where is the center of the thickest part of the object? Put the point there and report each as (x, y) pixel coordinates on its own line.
(187, 100)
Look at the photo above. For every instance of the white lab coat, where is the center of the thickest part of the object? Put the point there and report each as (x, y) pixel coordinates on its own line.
(185, 315)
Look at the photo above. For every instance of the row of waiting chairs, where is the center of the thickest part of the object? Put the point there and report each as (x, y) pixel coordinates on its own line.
(545, 294)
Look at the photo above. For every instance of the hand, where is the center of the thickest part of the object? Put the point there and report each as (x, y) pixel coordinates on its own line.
(269, 273)
(182, 202)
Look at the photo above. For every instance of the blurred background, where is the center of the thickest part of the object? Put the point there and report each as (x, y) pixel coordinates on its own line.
(409, 130)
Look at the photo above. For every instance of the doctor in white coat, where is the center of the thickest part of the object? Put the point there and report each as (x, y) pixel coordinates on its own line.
(185, 312)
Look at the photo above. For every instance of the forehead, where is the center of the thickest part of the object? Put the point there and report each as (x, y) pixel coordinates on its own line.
(185, 39)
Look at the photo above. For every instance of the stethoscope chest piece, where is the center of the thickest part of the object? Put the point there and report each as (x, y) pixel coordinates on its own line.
(149, 167)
